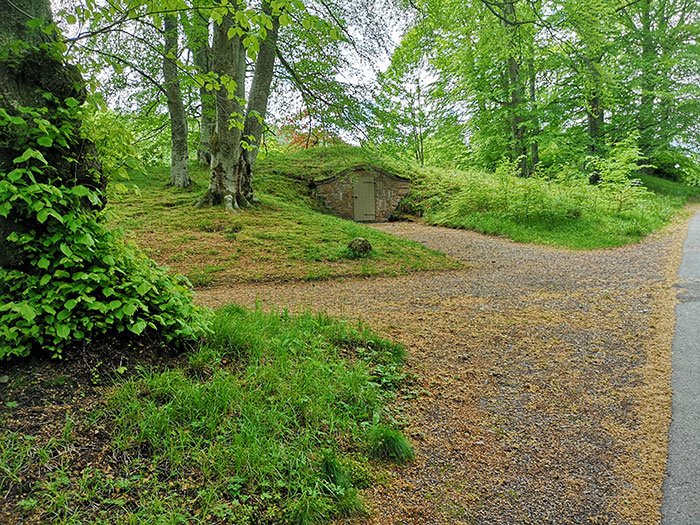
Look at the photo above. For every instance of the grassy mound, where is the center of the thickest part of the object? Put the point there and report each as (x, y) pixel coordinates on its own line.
(286, 237)
(320, 163)
(274, 419)
(568, 213)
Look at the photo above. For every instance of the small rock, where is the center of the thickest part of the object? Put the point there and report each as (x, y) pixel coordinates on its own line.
(360, 246)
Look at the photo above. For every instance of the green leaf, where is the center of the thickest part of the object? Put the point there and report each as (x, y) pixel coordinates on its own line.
(45, 141)
(138, 327)
(80, 191)
(43, 263)
(129, 309)
(26, 311)
(30, 153)
(62, 331)
(66, 250)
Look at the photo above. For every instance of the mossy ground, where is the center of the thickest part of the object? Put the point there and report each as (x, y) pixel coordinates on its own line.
(287, 236)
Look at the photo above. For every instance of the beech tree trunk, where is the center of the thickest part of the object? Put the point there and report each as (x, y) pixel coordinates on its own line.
(234, 151)
(229, 64)
(257, 107)
(646, 121)
(534, 145)
(595, 120)
(595, 115)
(515, 86)
(179, 154)
(24, 76)
(203, 62)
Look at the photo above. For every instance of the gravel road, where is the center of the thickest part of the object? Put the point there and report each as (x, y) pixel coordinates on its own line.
(542, 376)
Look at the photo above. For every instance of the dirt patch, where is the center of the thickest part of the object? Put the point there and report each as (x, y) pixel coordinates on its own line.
(51, 414)
(543, 393)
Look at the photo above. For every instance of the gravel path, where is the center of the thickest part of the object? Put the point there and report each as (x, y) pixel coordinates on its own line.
(542, 391)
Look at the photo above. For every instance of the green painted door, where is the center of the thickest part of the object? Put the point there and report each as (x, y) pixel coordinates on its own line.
(363, 195)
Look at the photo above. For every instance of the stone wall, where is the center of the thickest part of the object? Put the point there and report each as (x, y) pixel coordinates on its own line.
(336, 193)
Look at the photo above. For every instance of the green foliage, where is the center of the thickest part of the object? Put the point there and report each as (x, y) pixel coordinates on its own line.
(668, 187)
(497, 70)
(615, 173)
(676, 164)
(114, 140)
(78, 280)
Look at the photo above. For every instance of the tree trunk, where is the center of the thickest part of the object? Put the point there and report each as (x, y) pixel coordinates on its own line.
(24, 76)
(595, 115)
(595, 121)
(515, 86)
(648, 81)
(257, 107)
(534, 146)
(203, 63)
(235, 151)
(229, 64)
(179, 154)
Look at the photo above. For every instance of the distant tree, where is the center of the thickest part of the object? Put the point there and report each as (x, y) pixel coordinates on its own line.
(179, 153)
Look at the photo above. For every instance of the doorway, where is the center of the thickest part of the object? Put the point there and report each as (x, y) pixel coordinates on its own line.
(363, 195)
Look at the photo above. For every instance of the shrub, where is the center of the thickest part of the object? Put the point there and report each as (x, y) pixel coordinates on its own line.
(77, 280)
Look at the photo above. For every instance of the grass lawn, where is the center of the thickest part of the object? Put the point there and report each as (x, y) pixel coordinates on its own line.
(286, 237)
(570, 214)
(275, 418)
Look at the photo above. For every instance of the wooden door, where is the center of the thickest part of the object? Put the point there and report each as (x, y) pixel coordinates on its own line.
(363, 195)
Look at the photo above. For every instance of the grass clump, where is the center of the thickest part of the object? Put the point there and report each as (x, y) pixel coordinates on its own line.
(266, 422)
(390, 444)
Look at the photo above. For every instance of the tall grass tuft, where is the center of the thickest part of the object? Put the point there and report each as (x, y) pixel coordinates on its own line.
(390, 444)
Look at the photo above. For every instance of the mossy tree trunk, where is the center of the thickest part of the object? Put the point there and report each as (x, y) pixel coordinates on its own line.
(238, 130)
(28, 75)
(229, 65)
(179, 154)
(257, 107)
